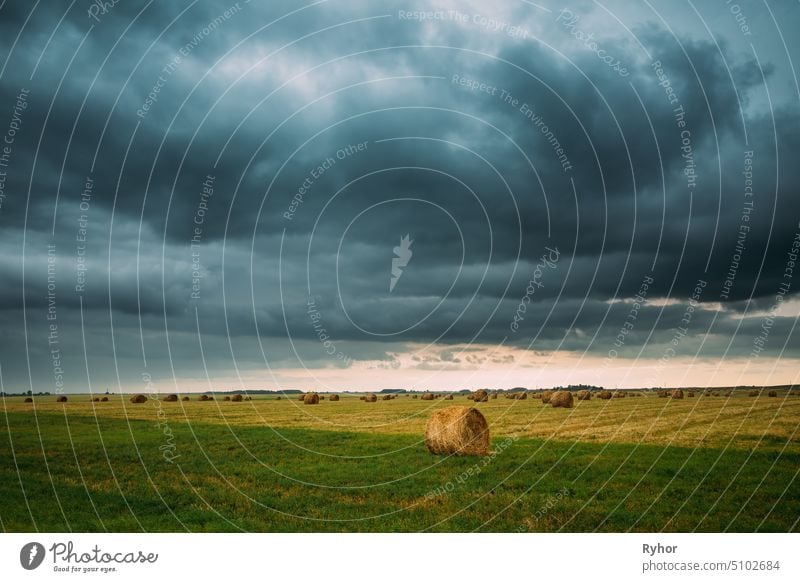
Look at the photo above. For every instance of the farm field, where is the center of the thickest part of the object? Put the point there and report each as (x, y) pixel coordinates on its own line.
(630, 464)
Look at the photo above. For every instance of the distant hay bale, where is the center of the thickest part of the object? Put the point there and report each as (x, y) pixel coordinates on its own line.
(185, 399)
(386, 397)
(248, 398)
(227, 399)
(311, 398)
(522, 396)
(333, 398)
(619, 394)
(677, 393)
(663, 394)
(493, 396)
(584, 395)
(211, 398)
(362, 397)
(370, 398)
(427, 396)
(480, 395)
(415, 396)
(448, 397)
(322, 397)
(753, 393)
(772, 394)
(104, 399)
(95, 399)
(237, 398)
(690, 394)
(715, 393)
(561, 399)
(204, 398)
(279, 398)
(457, 430)
(171, 398)
(727, 395)
(604, 395)
(546, 396)
(61, 399)
(29, 399)
(302, 397)
(138, 399)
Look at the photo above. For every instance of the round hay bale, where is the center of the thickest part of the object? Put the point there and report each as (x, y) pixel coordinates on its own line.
(457, 430)
(663, 393)
(61, 399)
(480, 395)
(415, 396)
(715, 393)
(171, 398)
(561, 399)
(546, 396)
(185, 399)
(386, 397)
(95, 399)
(138, 399)
(211, 398)
(727, 395)
(302, 398)
(237, 398)
(227, 399)
(448, 397)
(311, 398)
(493, 396)
(322, 397)
(427, 396)
(522, 396)
(29, 399)
(584, 395)
(279, 398)
(333, 398)
(690, 394)
(753, 393)
(772, 394)
(619, 394)
(203, 397)
(370, 398)
(604, 395)
(248, 398)
(104, 399)
(677, 393)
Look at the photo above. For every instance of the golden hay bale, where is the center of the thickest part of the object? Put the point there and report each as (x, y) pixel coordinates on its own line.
(95, 399)
(333, 398)
(204, 397)
(522, 396)
(237, 398)
(311, 398)
(104, 399)
(415, 396)
(772, 394)
(61, 399)
(29, 399)
(677, 393)
(584, 395)
(448, 397)
(227, 399)
(546, 396)
(663, 393)
(138, 399)
(457, 430)
(480, 395)
(370, 398)
(248, 398)
(605, 395)
(561, 399)
(619, 394)
(427, 396)
(211, 398)
(171, 398)
(493, 396)
(185, 399)
(322, 397)
(362, 397)
(301, 397)
(386, 397)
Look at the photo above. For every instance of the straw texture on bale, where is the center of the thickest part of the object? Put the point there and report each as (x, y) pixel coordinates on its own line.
(171, 398)
(561, 399)
(480, 395)
(427, 396)
(546, 396)
(584, 395)
(138, 398)
(678, 393)
(311, 398)
(457, 430)
(333, 397)
(237, 398)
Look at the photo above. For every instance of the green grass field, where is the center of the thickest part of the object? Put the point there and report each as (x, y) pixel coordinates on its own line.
(632, 464)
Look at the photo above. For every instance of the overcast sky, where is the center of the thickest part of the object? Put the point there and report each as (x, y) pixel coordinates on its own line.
(214, 195)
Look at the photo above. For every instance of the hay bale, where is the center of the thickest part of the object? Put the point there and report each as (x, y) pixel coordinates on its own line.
(448, 397)
(493, 396)
(386, 397)
(772, 394)
(211, 398)
(561, 399)
(302, 398)
(427, 396)
(604, 395)
(203, 397)
(522, 396)
(29, 399)
(185, 399)
(279, 398)
(95, 399)
(171, 398)
(322, 397)
(690, 394)
(619, 394)
(715, 393)
(311, 398)
(415, 396)
(663, 393)
(584, 395)
(480, 395)
(753, 393)
(138, 399)
(370, 398)
(677, 393)
(248, 398)
(227, 399)
(546, 396)
(457, 430)
(333, 398)
(237, 398)
(104, 399)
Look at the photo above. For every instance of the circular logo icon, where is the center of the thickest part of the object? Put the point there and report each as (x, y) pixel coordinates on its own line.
(31, 555)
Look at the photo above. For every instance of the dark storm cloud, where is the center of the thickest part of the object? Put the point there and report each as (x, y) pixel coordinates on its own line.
(155, 100)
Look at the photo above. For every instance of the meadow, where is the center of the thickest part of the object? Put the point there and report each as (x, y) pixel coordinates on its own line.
(630, 464)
